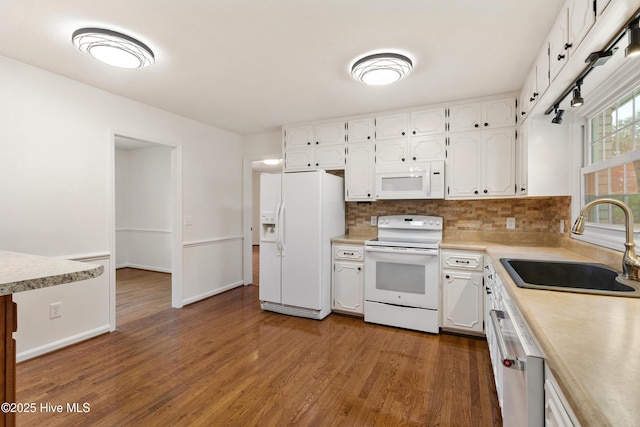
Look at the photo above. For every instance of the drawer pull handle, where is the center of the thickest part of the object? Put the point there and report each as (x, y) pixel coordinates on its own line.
(458, 261)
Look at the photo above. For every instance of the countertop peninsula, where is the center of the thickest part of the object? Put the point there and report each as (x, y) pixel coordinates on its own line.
(591, 343)
(19, 273)
(23, 272)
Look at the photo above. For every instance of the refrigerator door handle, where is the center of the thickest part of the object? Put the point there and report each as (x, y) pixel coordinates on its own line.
(280, 227)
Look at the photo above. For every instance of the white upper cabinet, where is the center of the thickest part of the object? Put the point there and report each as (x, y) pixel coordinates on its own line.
(392, 126)
(310, 147)
(299, 136)
(428, 122)
(481, 164)
(361, 130)
(499, 114)
(573, 23)
(483, 115)
(464, 118)
(463, 174)
(536, 84)
(558, 44)
(427, 148)
(360, 172)
(330, 134)
(499, 162)
(581, 19)
(392, 151)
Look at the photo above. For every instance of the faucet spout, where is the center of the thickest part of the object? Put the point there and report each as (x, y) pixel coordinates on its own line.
(630, 260)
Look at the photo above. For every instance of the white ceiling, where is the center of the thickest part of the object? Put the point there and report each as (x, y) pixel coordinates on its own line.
(249, 66)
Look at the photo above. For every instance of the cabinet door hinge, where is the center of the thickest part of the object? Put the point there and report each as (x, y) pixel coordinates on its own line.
(448, 190)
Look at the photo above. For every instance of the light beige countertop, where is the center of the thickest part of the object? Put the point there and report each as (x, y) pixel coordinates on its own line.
(591, 343)
(23, 272)
(357, 235)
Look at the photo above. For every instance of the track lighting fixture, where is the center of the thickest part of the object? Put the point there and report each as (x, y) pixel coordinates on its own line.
(577, 100)
(633, 33)
(632, 29)
(559, 113)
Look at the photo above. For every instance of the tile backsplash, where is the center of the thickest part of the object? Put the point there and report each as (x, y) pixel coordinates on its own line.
(531, 214)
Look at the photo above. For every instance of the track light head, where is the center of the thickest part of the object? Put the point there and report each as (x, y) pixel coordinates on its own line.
(558, 118)
(633, 33)
(577, 99)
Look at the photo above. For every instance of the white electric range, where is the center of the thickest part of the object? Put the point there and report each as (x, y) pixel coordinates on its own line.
(402, 273)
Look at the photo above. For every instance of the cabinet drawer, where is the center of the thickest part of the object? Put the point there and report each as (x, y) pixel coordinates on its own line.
(352, 253)
(462, 260)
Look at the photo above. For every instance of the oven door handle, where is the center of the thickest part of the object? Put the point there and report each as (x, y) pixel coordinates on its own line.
(402, 251)
(506, 359)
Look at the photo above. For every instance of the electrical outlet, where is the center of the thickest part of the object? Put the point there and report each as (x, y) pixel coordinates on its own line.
(55, 310)
(511, 223)
(374, 221)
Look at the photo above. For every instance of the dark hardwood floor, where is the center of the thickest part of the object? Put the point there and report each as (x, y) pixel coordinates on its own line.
(140, 293)
(223, 361)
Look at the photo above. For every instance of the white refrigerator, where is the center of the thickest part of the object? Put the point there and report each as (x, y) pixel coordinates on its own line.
(299, 214)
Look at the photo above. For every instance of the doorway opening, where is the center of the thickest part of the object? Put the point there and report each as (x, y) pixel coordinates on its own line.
(144, 225)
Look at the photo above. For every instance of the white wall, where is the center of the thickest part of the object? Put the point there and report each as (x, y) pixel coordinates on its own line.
(143, 208)
(56, 170)
(260, 146)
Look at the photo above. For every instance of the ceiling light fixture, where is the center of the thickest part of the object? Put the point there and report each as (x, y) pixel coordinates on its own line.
(558, 118)
(381, 68)
(271, 162)
(113, 48)
(577, 99)
(633, 33)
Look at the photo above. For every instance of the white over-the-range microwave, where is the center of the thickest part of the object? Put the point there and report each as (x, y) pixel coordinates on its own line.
(416, 180)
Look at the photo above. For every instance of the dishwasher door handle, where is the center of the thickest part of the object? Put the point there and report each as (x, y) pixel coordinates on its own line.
(507, 360)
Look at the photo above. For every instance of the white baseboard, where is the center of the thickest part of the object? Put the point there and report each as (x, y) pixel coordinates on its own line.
(56, 345)
(144, 267)
(212, 293)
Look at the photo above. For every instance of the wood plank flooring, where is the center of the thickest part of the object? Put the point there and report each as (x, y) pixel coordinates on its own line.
(140, 293)
(223, 361)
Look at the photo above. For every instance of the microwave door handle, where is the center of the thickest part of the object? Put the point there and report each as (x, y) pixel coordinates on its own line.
(506, 359)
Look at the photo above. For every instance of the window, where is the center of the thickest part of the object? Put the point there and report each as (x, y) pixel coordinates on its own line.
(613, 159)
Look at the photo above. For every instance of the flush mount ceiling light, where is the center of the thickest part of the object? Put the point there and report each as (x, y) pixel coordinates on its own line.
(577, 99)
(633, 33)
(381, 68)
(113, 48)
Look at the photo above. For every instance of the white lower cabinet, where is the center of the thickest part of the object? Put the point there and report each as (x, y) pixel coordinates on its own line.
(557, 412)
(348, 279)
(462, 291)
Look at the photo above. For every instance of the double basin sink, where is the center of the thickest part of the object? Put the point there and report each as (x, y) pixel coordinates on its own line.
(590, 278)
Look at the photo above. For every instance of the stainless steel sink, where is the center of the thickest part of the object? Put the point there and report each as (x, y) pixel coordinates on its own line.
(579, 277)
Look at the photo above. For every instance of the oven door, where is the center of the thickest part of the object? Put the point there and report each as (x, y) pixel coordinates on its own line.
(402, 276)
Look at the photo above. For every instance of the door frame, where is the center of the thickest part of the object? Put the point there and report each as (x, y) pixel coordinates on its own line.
(176, 221)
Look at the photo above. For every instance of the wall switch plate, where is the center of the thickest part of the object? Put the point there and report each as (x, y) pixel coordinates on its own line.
(188, 220)
(374, 221)
(55, 310)
(511, 223)
(561, 226)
